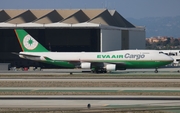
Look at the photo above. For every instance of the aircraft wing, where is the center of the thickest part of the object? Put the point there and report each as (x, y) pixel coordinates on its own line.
(100, 65)
(119, 65)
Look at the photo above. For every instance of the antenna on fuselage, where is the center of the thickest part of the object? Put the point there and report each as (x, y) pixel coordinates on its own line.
(49, 46)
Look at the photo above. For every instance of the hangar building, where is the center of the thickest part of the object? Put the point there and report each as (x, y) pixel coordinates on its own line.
(69, 30)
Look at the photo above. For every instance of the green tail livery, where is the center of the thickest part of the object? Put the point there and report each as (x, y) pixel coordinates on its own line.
(28, 43)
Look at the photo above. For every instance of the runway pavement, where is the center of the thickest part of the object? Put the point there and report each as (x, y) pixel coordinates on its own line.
(177, 89)
(83, 71)
(172, 69)
(92, 80)
(82, 101)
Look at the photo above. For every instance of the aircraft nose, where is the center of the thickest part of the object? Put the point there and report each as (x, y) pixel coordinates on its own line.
(170, 59)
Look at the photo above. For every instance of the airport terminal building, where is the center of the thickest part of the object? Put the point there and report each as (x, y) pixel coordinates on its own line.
(69, 30)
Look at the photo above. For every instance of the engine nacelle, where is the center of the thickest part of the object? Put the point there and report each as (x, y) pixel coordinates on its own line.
(85, 65)
(111, 67)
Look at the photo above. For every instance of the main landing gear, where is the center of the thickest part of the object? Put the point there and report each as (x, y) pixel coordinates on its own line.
(156, 70)
(98, 70)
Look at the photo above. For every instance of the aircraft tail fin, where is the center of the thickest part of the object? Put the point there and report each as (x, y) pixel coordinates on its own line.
(28, 43)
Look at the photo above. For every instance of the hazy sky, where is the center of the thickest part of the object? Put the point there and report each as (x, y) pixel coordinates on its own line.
(127, 8)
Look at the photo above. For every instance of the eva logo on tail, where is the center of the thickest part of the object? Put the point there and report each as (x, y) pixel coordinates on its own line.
(29, 42)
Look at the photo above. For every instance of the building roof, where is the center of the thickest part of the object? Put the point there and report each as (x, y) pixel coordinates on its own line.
(35, 17)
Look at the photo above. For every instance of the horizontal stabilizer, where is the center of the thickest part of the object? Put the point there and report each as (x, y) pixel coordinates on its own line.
(29, 55)
(32, 57)
(15, 53)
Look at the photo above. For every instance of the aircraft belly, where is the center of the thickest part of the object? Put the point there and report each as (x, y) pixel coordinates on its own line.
(146, 64)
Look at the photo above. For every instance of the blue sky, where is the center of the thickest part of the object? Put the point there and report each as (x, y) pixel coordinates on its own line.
(127, 8)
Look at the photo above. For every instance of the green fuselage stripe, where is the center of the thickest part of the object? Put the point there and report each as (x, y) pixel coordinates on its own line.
(127, 64)
(61, 63)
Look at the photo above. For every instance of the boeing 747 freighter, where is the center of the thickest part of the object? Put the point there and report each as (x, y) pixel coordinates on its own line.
(99, 62)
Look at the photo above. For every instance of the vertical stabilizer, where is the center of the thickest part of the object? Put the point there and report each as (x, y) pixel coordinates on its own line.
(28, 43)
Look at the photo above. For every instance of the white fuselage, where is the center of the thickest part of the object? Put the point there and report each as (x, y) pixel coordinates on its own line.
(143, 55)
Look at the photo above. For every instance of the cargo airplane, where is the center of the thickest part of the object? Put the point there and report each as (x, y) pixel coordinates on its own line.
(99, 62)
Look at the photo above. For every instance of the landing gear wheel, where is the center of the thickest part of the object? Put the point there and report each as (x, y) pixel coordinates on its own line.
(105, 71)
(92, 71)
(156, 70)
(99, 70)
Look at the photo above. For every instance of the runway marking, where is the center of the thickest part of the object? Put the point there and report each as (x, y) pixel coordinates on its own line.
(95, 91)
(92, 80)
(105, 105)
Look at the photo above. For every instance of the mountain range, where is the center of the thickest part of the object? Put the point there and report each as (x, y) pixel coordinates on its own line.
(159, 26)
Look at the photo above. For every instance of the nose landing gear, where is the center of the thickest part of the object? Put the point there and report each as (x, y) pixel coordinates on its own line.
(156, 70)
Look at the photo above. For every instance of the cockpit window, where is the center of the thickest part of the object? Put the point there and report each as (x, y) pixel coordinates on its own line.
(173, 54)
(163, 53)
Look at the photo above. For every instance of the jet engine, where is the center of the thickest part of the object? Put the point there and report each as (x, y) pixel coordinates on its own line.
(111, 67)
(85, 65)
